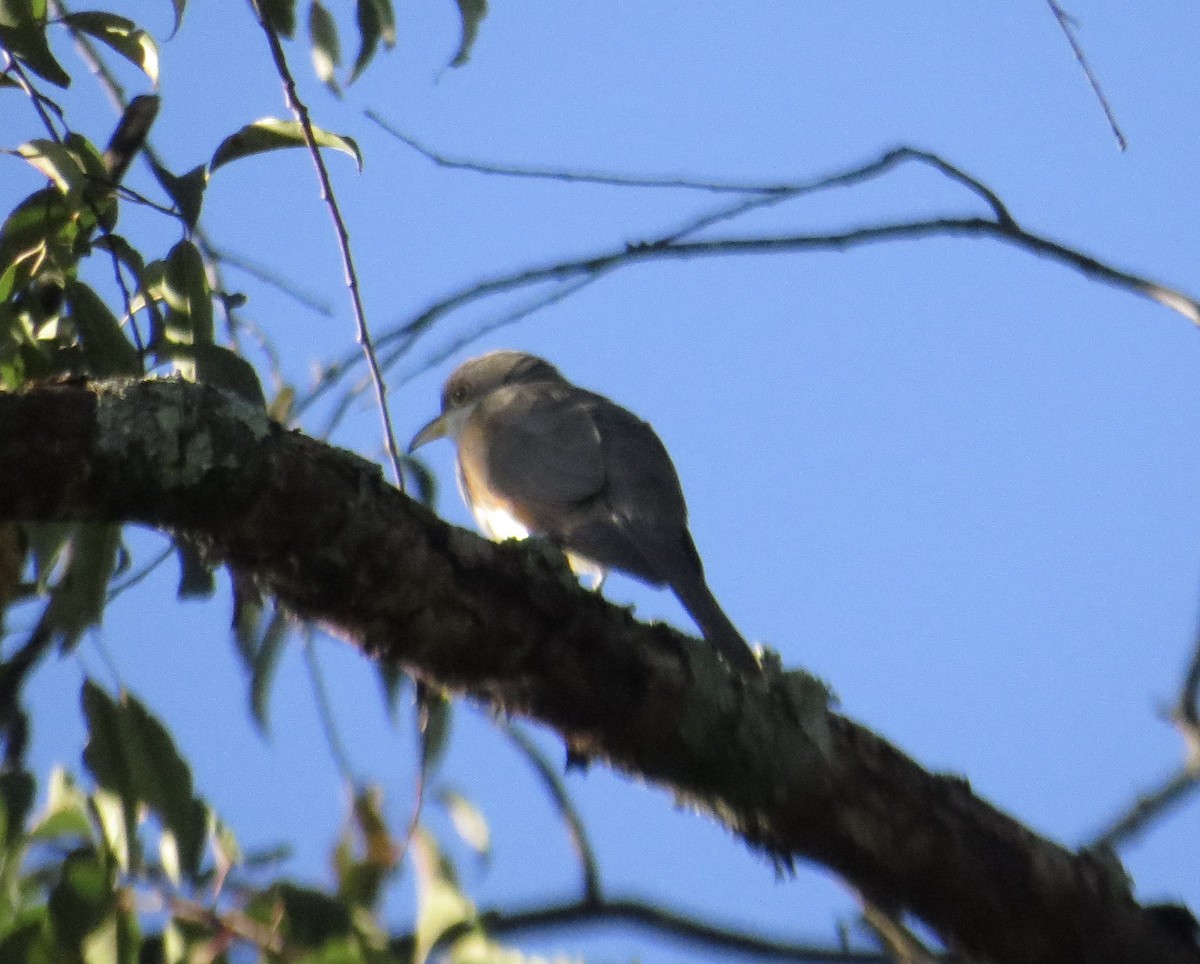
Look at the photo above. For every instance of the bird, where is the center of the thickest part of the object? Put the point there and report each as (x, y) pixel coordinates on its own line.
(540, 456)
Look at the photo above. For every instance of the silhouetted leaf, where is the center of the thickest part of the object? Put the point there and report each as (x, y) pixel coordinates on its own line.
(225, 368)
(105, 346)
(16, 800)
(281, 15)
(80, 899)
(310, 917)
(326, 50)
(196, 579)
(370, 31)
(266, 661)
(186, 190)
(272, 134)
(433, 723)
(131, 753)
(185, 289)
(78, 600)
(471, 13)
(25, 38)
(122, 35)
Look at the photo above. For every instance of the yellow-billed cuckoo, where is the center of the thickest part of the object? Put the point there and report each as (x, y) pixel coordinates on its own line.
(540, 456)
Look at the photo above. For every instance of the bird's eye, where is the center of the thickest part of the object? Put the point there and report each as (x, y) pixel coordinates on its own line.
(459, 395)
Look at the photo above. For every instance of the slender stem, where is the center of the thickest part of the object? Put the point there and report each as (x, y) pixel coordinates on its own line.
(300, 112)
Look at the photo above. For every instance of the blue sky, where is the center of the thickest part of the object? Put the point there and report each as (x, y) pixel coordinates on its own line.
(954, 480)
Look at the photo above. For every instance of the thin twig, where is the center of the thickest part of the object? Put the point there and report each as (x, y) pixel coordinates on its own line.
(576, 830)
(333, 739)
(300, 112)
(1171, 792)
(641, 913)
(1004, 227)
(269, 277)
(1067, 23)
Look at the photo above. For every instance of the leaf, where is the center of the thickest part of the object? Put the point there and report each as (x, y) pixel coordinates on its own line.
(326, 50)
(266, 661)
(441, 904)
(66, 813)
(433, 723)
(177, 7)
(281, 15)
(392, 678)
(272, 134)
(196, 580)
(81, 899)
(131, 753)
(370, 30)
(16, 800)
(78, 600)
(107, 350)
(185, 190)
(310, 917)
(32, 226)
(468, 821)
(471, 12)
(187, 294)
(144, 298)
(57, 163)
(224, 368)
(122, 35)
(27, 41)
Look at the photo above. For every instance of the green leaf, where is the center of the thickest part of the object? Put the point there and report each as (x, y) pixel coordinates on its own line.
(187, 294)
(81, 899)
(225, 368)
(66, 813)
(471, 12)
(326, 50)
(312, 918)
(266, 661)
(27, 42)
(144, 297)
(105, 346)
(281, 15)
(78, 600)
(131, 753)
(16, 800)
(272, 134)
(441, 904)
(55, 162)
(122, 35)
(32, 227)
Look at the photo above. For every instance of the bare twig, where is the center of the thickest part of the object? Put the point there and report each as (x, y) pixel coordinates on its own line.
(1068, 25)
(333, 739)
(553, 783)
(267, 276)
(1002, 227)
(300, 112)
(662, 921)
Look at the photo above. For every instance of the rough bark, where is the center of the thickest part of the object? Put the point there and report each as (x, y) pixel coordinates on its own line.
(507, 625)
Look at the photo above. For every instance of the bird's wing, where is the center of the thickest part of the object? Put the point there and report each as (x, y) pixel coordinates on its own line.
(536, 447)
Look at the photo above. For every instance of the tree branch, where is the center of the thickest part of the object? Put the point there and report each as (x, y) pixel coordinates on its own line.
(507, 625)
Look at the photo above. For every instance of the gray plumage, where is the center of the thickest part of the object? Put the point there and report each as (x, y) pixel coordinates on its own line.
(538, 455)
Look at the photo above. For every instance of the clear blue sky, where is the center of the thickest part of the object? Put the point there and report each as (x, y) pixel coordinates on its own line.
(955, 480)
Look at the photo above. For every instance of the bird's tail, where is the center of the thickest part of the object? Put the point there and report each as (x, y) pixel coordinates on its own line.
(718, 630)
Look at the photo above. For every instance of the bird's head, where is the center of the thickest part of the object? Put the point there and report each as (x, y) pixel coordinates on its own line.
(473, 381)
